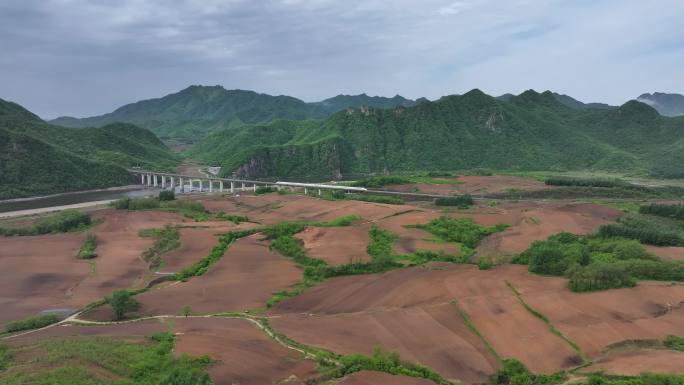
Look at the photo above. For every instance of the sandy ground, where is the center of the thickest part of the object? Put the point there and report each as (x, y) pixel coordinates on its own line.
(669, 253)
(635, 362)
(337, 245)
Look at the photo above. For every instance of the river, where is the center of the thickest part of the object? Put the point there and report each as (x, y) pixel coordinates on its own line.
(74, 198)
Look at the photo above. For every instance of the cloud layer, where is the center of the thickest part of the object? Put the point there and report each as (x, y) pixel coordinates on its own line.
(80, 57)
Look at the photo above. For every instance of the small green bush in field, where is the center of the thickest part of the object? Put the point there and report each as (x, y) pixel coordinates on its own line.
(167, 195)
(34, 322)
(62, 222)
(462, 201)
(674, 343)
(87, 250)
(122, 302)
(264, 190)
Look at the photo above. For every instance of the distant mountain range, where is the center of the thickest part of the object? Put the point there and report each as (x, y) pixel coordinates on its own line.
(38, 158)
(195, 112)
(666, 104)
(530, 131)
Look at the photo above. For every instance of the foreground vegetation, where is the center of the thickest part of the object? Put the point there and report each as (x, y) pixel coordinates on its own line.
(167, 238)
(87, 250)
(62, 222)
(96, 360)
(34, 322)
(188, 208)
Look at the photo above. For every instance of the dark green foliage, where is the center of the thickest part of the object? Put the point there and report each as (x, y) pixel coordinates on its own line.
(381, 246)
(5, 356)
(202, 266)
(584, 182)
(346, 220)
(189, 208)
(387, 362)
(461, 201)
(34, 322)
(38, 158)
(390, 200)
(122, 302)
(127, 203)
(424, 256)
(167, 195)
(667, 211)
(577, 192)
(643, 230)
(85, 360)
(167, 239)
(642, 379)
(461, 230)
(439, 174)
(62, 222)
(596, 263)
(484, 263)
(513, 372)
(261, 190)
(237, 219)
(381, 181)
(87, 250)
(674, 343)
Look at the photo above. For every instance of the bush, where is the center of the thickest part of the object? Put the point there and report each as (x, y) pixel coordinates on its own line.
(390, 200)
(513, 372)
(167, 239)
(237, 219)
(674, 343)
(35, 322)
(381, 246)
(202, 266)
(143, 204)
(462, 230)
(643, 230)
(264, 190)
(5, 356)
(555, 255)
(167, 195)
(462, 201)
(438, 174)
(585, 182)
(599, 277)
(381, 181)
(62, 222)
(484, 263)
(87, 250)
(667, 211)
(122, 302)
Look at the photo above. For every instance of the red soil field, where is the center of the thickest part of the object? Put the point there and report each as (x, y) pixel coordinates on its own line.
(412, 239)
(635, 362)
(651, 310)
(668, 253)
(337, 245)
(245, 278)
(245, 354)
(475, 185)
(378, 378)
(38, 273)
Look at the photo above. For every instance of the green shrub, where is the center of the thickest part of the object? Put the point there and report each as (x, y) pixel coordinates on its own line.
(439, 174)
(462, 201)
(5, 356)
(62, 222)
(202, 266)
(667, 211)
(122, 302)
(381, 181)
(143, 203)
(237, 219)
(167, 239)
(674, 343)
(585, 182)
(513, 372)
(462, 230)
(390, 200)
(643, 230)
(167, 195)
(484, 263)
(87, 250)
(264, 190)
(35, 322)
(381, 246)
(599, 276)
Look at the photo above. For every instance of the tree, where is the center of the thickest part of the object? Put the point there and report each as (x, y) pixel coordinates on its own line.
(187, 310)
(121, 302)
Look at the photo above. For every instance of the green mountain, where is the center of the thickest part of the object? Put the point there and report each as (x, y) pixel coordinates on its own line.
(666, 104)
(38, 158)
(567, 100)
(193, 113)
(531, 131)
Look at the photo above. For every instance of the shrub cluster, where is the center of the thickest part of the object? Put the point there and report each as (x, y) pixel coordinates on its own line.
(167, 195)
(461, 201)
(126, 203)
(585, 182)
(513, 372)
(643, 230)
(674, 343)
(5, 356)
(202, 266)
(62, 222)
(34, 322)
(237, 219)
(462, 230)
(381, 181)
(122, 302)
(596, 263)
(87, 250)
(167, 239)
(668, 211)
(264, 190)
(190, 209)
(391, 200)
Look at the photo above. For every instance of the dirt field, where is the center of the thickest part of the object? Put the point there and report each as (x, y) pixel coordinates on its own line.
(337, 245)
(669, 253)
(378, 378)
(635, 362)
(412, 239)
(245, 278)
(244, 354)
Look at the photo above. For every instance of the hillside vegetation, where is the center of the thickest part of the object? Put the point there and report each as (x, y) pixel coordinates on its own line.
(531, 131)
(191, 114)
(39, 158)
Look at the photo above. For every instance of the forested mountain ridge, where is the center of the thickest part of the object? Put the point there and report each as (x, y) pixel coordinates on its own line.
(666, 104)
(39, 158)
(197, 111)
(531, 131)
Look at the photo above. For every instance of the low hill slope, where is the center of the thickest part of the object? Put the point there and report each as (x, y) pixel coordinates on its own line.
(531, 131)
(38, 158)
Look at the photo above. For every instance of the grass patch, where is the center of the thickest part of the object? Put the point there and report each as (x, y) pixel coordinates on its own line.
(461, 230)
(167, 238)
(189, 209)
(390, 200)
(34, 322)
(236, 219)
(70, 220)
(5, 356)
(71, 361)
(261, 190)
(513, 372)
(471, 326)
(461, 201)
(674, 343)
(381, 181)
(87, 250)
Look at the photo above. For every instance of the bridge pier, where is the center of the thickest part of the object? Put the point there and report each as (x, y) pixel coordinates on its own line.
(243, 186)
(200, 185)
(254, 186)
(319, 192)
(154, 180)
(142, 177)
(220, 186)
(181, 184)
(149, 180)
(306, 192)
(211, 185)
(173, 185)
(163, 185)
(232, 187)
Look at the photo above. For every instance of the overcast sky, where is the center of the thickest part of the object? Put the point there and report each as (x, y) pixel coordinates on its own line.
(82, 58)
